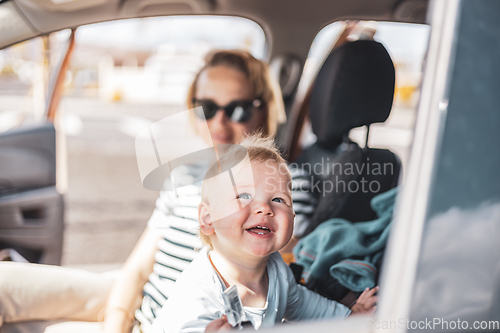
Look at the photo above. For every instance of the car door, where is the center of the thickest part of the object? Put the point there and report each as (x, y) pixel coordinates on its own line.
(31, 206)
(443, 270)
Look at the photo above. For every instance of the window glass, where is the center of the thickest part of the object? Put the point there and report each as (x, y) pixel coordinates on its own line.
(153, 60)
(23, 76)
(124, 76)
(24, 73)
(407, 45)
(320, 48)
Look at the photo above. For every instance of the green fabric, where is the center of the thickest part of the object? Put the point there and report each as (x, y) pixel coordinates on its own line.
(324, 251)
(355, 275)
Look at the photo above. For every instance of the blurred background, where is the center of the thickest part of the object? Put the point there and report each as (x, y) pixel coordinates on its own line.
(126, 75)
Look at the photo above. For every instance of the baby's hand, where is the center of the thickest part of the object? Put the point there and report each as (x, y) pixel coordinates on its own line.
(220, 324)
(365, 302)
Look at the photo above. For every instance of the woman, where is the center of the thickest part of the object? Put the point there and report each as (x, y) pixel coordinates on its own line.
(237, 96)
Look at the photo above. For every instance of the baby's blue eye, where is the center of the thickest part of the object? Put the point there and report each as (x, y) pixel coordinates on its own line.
(278, 200)
(244, 196)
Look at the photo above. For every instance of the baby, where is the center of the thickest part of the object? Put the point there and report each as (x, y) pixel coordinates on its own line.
(245, 218)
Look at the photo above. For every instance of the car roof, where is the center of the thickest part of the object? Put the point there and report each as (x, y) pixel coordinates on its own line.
(290, 25)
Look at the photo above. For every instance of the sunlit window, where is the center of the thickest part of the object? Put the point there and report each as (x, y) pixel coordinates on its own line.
(124, 76)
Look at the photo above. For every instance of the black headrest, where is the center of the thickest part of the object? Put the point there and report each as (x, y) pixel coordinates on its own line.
(355, 87)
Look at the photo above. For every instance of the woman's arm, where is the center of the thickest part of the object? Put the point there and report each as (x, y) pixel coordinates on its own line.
(126, 295)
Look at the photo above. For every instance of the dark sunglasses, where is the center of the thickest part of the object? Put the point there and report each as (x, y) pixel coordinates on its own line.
(237, 111)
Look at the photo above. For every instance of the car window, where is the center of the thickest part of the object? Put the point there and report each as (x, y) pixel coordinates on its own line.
(407, 46)
(24, 73)
(124, 76)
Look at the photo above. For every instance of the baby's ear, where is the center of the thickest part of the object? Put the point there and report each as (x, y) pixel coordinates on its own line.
(206, 226)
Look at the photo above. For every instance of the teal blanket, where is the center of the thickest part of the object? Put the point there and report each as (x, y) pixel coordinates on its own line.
(345, 251)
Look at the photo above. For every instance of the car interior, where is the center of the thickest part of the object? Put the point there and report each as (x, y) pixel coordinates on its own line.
(354, 88)
(287, 45)
(338, 100)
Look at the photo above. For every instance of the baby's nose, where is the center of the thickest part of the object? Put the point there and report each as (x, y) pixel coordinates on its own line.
(263, 208)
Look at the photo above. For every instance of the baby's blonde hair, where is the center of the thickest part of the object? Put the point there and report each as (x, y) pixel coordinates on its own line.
(260, 149)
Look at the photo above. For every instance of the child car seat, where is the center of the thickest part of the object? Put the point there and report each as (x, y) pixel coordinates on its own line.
(355, 87)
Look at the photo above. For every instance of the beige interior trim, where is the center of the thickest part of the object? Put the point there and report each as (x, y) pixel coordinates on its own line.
(13, 26)
(140, 7)
(65, 5)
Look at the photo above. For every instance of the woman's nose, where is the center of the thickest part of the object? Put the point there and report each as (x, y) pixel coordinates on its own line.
(262, 208)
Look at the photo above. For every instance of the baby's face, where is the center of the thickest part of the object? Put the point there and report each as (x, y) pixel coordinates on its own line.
(257, 214)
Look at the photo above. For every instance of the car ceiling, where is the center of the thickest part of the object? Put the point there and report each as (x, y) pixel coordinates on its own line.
(290, 25)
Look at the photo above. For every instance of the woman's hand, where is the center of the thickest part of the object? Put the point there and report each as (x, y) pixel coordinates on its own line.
(365, 304)
(220, 324)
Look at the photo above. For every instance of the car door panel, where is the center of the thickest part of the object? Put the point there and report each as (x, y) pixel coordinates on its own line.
(31, 209)
(14, 163)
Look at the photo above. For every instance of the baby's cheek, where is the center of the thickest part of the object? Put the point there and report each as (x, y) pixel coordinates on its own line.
(291, 218)
(225, 208)
(224, 223)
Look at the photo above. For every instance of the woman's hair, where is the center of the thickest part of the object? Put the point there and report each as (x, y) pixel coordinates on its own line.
(257, 72)
(259, 149)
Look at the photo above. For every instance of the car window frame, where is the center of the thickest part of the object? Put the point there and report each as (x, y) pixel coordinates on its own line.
(403, 248)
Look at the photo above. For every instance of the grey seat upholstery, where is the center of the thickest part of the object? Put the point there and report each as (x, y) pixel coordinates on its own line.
(355, 87)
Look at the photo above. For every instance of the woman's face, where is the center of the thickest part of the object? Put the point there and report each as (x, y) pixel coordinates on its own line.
(224, 85)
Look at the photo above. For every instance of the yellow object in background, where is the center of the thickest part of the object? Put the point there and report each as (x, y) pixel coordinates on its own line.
(288, 258)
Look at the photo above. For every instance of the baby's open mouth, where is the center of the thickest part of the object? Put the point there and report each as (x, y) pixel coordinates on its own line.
(259, 230)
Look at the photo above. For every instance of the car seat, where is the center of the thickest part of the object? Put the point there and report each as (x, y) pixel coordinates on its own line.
(355, 87)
